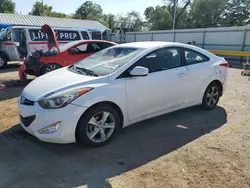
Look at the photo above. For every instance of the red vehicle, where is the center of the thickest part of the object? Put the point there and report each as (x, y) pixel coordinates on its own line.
(40, 62)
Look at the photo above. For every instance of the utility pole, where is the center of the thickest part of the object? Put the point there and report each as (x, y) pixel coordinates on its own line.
(175, 8)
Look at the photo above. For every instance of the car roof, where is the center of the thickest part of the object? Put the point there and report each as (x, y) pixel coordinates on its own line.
(104, 41)
(158, 44)
(153, 44)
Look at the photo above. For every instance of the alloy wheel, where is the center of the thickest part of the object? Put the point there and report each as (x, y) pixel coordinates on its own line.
(51, 67)
(100, 127)
(212, 96)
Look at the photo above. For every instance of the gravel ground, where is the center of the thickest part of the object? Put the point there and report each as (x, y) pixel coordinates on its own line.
(188, 148)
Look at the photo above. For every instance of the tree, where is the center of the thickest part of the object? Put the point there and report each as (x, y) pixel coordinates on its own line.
(57, 14)
(7, 6)
(89, 10)
(108, 20)
(181, 10)
(207, 13)
(237, 13)
(158, 17)
(40, 9)
(135, 17)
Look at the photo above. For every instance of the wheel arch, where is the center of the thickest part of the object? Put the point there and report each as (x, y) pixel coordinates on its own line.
(114, 105)
(5, 55)
(219, 84)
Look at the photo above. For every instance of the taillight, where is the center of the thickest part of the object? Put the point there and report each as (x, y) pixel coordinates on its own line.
(224, 64)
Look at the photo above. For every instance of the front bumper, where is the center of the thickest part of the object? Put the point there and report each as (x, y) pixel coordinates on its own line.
(68, 116)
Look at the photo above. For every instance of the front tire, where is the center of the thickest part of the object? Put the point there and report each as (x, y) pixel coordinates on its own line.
(98, 126)
(3, 62)
(49, 68)
(211, 96)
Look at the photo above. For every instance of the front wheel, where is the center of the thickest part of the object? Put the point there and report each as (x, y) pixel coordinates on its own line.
(211, 96)
(50, 67)
(98, 126)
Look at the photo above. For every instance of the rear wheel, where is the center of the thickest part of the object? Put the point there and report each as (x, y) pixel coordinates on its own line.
(211, 96)
(50, 67)
(3, 62)
(98, 126)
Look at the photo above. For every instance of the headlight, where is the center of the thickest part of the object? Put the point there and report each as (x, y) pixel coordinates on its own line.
(63, 99)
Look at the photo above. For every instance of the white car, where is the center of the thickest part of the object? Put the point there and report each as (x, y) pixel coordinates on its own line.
(118, 86)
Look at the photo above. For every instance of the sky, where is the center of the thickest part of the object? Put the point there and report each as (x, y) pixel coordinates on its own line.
(109, 6)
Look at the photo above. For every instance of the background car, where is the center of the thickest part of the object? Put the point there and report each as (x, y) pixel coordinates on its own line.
(39, 62)
(69, 54)
(116, 87)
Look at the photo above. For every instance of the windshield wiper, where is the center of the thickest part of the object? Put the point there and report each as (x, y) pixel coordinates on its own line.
(86, 71)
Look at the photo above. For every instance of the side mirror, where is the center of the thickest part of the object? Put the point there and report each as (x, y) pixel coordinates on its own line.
(73, 50)
(139, 71)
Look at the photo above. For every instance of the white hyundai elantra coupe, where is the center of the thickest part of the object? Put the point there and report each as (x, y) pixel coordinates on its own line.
(91, 100)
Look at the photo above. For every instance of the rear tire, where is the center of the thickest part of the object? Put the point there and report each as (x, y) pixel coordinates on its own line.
(94, 130)
(3, 61)
(50, 67)
(211, 96)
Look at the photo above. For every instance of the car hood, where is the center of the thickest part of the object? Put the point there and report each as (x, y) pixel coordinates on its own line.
(58, 80)
(52, 36)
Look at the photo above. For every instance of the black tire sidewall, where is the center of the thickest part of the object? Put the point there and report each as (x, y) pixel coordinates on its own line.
(204, 103)
(5, 62)
(46, 65)
(81, 129)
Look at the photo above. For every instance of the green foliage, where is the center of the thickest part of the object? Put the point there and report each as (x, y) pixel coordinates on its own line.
(159, 17)
(189, 14)
(237, 13)
(207, 13)
(7, 6)
(40, 9)
(108, 20)
(89, 10)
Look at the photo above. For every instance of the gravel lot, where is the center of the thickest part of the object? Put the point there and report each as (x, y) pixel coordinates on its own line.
(188, 148)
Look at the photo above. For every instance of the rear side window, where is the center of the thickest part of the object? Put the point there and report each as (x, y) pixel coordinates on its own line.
(67, 35)
(104, 45)
(85, 35)
(97, 46)
(97, 35)
(37, 35)
(193, 57)
(62, 35)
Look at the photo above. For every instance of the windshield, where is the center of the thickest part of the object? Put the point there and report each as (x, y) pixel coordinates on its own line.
(108, 60)
(68, 45)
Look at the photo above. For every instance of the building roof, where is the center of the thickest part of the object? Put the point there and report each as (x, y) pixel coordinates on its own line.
(18, 19)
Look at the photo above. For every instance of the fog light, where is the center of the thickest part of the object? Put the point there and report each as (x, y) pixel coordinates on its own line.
(50, 128)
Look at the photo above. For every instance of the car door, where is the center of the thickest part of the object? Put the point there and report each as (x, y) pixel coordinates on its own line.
(163, 88)
(200, 73)
(11, 46)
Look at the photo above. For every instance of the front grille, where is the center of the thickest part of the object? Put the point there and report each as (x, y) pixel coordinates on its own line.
(25, 101)
(26, 121)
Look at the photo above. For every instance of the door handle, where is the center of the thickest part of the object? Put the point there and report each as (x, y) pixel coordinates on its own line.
(181, 74)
